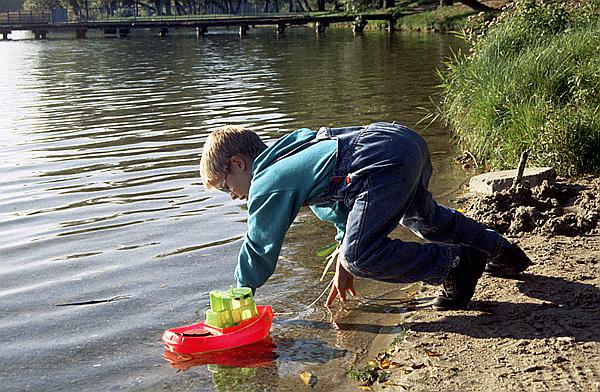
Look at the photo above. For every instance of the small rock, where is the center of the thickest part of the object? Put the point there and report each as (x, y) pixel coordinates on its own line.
(534, 368)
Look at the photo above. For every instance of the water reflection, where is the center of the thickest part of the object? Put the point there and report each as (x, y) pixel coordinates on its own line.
(259, 366)
(259, 354)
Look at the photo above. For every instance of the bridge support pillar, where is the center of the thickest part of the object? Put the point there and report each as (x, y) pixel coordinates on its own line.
(40, 34)
(391, 27)
(201, 31)
(80, 33)
(320, 27)
(281, 28)
(5, 34)
(244, 30)
(359, 25)
(163, 32)
(124, 32)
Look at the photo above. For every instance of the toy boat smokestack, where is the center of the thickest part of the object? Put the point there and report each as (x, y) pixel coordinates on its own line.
(230, 308)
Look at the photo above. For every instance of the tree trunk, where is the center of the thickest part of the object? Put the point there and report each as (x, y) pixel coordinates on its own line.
(477, 6)
(306, 6)
(168, 7)
(444, 3)
(320, 5)
(75, 7)
(158, 6)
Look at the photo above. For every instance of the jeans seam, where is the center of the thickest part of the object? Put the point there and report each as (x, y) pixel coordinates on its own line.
(361, 226)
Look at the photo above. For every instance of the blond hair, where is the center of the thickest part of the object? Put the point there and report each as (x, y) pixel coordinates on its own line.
(224, 143)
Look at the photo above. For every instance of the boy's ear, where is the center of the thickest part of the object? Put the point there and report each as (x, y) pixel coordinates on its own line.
(239, 161)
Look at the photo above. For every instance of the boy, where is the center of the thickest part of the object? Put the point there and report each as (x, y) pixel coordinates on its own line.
(365, 180)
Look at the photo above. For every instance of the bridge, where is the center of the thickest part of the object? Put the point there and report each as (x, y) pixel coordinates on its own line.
(43, 23)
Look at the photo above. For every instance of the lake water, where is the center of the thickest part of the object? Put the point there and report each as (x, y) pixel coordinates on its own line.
(100, 197)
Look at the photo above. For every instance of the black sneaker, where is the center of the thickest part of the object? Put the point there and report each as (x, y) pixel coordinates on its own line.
(459, 285)
(511, 261)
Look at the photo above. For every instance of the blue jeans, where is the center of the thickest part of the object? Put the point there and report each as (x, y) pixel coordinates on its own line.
(382, 173)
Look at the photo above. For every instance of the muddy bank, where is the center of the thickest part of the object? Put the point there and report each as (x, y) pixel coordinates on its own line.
(535, 333)
(567, 208)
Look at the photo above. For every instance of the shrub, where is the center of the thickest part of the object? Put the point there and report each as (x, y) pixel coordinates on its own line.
(531, 81)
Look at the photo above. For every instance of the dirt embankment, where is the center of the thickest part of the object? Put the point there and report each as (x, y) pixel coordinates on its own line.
(539, 332)
(563, 208)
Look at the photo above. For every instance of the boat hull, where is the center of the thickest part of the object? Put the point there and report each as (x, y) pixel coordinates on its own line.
(200, 338)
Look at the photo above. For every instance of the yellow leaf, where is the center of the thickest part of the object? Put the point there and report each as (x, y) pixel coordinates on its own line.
(308, 378)
(385, 364)
(432, 353)
(365, 388)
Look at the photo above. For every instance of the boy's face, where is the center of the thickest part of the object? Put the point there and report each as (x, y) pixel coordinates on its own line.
(236, 178)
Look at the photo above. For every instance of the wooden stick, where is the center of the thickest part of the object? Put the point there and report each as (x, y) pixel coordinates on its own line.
(520, 169)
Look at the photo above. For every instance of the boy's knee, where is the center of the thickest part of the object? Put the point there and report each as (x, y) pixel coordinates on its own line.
(357, 265)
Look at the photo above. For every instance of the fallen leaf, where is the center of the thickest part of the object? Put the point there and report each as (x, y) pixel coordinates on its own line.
(432, 353)
(392, 350)
(365, 388)
(382, 356)
(385, 364)
(308, 378)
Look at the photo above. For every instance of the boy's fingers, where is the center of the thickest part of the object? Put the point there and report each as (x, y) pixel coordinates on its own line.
(331, 296)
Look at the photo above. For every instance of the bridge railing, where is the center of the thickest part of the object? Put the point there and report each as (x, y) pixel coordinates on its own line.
(208, 11)
(141, 14)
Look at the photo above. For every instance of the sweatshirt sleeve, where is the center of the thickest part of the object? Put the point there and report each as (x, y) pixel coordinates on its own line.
(269, 217)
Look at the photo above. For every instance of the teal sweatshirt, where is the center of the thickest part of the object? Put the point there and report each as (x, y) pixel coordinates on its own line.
(278, 190)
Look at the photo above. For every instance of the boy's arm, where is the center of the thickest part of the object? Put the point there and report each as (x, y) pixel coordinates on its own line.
(269, 217)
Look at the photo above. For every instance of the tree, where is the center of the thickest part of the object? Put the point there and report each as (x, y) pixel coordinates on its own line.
(41, 5)
(477, 6)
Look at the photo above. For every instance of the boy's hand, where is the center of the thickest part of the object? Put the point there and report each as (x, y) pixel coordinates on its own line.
(342, 281)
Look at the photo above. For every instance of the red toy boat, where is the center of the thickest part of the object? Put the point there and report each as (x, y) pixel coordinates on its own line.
(199, 337)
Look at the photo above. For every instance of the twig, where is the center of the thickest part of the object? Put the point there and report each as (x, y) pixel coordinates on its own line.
(472, 157)
(519, 177)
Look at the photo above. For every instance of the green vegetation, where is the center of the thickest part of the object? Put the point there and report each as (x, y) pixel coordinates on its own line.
(369, 374)
(441, 19)
(531, 81)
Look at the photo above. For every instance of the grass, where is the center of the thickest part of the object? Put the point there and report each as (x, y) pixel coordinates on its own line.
(531, 82)
(442, 19)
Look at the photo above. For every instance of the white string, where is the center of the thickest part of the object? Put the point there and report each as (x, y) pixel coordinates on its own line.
(311, 304)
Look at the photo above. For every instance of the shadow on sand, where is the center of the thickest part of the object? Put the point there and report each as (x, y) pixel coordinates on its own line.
(568, 309)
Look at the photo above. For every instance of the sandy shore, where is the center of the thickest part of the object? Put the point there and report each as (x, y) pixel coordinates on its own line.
(535, 333)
